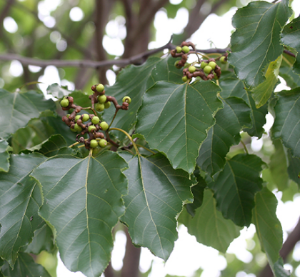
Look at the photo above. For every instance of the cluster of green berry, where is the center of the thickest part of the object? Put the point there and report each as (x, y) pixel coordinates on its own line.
(91, 124)
(182, 51)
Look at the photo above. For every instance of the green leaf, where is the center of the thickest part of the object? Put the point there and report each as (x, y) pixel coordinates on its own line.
(4, 155)
(264, 90)
(290, 37)
(209, 226)
(43, 240)
(268, 227)
(232, 86)
(82, 203)
(25, 267)
(18, 108)
(57, 91)
(278, 269)
(256, 41)
(292, 79)
(226, 132)
(278, 166)
(82, 99)
(294, 168)
(133, 81)
(174, 119)
(20, 199)
(155, 196)
(286, 124)
(235, 187)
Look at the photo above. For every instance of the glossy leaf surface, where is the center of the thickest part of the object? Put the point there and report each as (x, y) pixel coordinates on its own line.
(174, 119)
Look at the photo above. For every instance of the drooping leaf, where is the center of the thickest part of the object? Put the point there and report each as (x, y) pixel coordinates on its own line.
(82, 203)
(18, 108)
(292, 79)
(133, 81)
(279, 270)
(57, 91)
(287, 122)
(4, 155)
(174, 119)
(290, 37)
(197, 192)
(235, 187)
(264, 90)
(226, 132)
(209, 226)
(43, 240)
(256, 41)
(20, 199)
(156, 193)
(232, 86)
(278, 166)
(24, 267)
(294, 168)
(268, 227)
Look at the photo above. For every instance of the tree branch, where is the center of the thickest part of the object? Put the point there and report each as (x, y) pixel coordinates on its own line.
(4, 13)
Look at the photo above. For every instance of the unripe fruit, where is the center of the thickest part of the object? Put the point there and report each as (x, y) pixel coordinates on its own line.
(99, 107)
(93, 143)
(95, 120)
(223, 60)
(102, 142)
(64, 103)
(100, 88)
(102, 99)
(126, 99)
(73, 129)
(192, 69)
(91, 128)
(203, 64)
(107, 105)
(207, 69)
(77, 117)
(184, 78)
(212, 65)
(85, 117)
(185, 49)
(77, 128)
(178, 49)
(104, 125)
(68, 115)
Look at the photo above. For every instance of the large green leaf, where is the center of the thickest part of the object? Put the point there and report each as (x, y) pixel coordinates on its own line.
(20, 199)
(278, 166)
(132, 81)
(235, 187)
(292, 79)
(25, 267)
(82, 203)
(82, 99)
(226, 132)
(264, 90)
(4, 155)
(256, 41)
(209, 226)
(287, 122)
(294, 169)
(268, 227)
(174, 119)
(155, 197)
(18, 108)
(232, 86)
(290, 37)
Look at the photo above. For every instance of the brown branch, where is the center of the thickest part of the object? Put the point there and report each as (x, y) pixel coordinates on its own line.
(4, 13)
(286, 249)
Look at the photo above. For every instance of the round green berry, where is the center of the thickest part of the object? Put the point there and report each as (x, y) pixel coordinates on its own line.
(91, 128)
(100, 88)
(104, 125)
(178, 49)
(64, 103)
(207, 69)
(99, 107)
(192, 69)
(107, 105)
(126, 99)
(185, 49)
(102, 99)
(212, 65)
(223, 60)
(77, 128)
(85, 117)
(93, 143)
(203, 64)
(77, 117)
(102, 142)
(68, 115)
(184, 78)
(95, 120)
(73, 129)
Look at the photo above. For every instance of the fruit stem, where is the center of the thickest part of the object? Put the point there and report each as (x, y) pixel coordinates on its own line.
(217, 81)
(124, 132)
(146, 148)
(73, 144)
(113, 118)
(245, 148)
(90, 108)
(91, 152)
